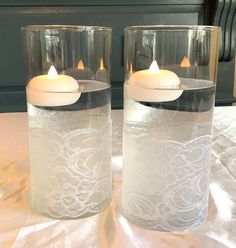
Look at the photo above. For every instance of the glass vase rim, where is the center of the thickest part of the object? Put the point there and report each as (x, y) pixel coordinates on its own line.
(174, 28)
(80, 28)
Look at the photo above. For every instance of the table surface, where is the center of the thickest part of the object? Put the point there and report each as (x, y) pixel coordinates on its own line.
(20, 226)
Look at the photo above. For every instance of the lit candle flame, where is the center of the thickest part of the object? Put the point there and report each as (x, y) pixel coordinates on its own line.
(52, 73)
(101, 64)
(185, 62)
(154, 67)
(131, 69)
(80, 65)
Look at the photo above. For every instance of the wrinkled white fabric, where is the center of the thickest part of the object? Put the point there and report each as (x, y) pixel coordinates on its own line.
(22, 227)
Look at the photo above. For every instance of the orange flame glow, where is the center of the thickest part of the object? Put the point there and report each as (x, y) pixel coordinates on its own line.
(131, 69)
(80, 65)
(185, 62)
(101, 64)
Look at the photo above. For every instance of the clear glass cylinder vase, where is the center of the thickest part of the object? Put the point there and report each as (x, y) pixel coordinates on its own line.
(169, 96)
(68, 100)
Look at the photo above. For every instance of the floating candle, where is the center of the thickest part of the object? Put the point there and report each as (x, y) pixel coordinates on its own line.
(154, 85)
(52, 89)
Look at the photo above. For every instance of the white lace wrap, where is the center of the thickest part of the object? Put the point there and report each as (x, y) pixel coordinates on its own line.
(165, 182)
(70, 168)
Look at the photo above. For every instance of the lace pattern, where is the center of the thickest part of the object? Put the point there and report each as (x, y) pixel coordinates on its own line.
(71, 174)
(167, 189)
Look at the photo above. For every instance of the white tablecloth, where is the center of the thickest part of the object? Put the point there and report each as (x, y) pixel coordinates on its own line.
(22, 227)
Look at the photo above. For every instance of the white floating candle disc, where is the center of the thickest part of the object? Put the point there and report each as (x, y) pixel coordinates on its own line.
(52, 90)
(154, 85)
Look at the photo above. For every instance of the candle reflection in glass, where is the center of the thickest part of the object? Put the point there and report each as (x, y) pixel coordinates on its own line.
(101, 74)
(80, 71)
